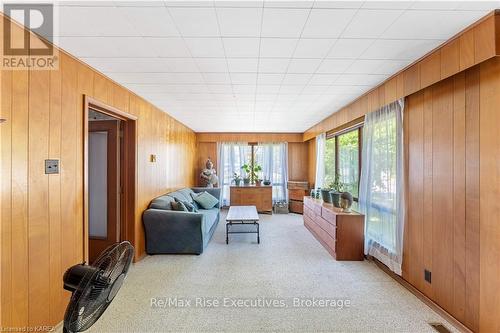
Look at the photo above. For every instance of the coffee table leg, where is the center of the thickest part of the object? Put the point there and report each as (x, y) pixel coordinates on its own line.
(227, 235)
(258, 233)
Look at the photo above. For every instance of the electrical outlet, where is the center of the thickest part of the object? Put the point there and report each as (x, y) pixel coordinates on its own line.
(427, 276)
(51, 166)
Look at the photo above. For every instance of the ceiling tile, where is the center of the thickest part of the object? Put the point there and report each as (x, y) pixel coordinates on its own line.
(327, 23)
(283, 22)
(303, 65)
(387, 4)
(182, 64)
(195, 22)
(106, 46)
(168, 47)
(217, 78)
(267, 78)
(212, 64)
(268, 89)
(359, 79)
(323, 79)
(241, 47)
(313, 48)
(239, 22)
(377, 66)
(243, 78)
(349, 48)
(220, 88)
(151, 21)
(438, 24)
(98, 21)
(242, 65)
(399, 49)
(370, 23)
(334, 65)
(273, 65)
(291, 78)
(277, 47)
(338, 4)
(205, 47)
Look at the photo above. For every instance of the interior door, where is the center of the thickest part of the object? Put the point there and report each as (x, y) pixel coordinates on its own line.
(103, 185)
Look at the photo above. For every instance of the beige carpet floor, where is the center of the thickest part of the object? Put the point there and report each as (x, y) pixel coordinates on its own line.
(288, 264)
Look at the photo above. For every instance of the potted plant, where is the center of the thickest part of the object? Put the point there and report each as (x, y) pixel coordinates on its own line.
(325, 194)
(337, 187)
(246, 168)
(258, 182)
(251, 174)
(237, 179)
(267, 182)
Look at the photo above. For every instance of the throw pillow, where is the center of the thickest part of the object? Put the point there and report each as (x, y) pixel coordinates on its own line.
(179, 206)
(189, 206)
(205, 200)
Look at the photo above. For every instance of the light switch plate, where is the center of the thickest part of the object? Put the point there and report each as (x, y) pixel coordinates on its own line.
(51, 166)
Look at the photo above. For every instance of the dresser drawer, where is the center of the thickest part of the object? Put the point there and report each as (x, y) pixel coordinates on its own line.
(296, 207)
(328, 227)
(309, 212)
(329, 216)
(297, 194)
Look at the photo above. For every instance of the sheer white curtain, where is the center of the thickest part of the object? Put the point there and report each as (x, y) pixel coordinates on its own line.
(273, 157)
(381, 190)
(320, 160)
(231, 156)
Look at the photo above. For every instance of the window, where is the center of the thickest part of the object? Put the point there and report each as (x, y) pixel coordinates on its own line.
(273, 159)
(342, 157)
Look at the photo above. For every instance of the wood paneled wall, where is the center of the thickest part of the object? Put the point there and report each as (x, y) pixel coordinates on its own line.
(453, 186)
(41, 225)
(298, 156)
(470, 47)
(442, 230)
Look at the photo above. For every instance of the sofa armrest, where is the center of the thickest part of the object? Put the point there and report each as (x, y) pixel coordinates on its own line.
(215, 191)
(169, 231)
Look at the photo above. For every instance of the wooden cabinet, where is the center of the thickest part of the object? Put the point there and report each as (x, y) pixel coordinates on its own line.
(259, 196)
(296, 192)
(341, 234)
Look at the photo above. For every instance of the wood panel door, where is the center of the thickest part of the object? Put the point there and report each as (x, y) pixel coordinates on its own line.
(104, 181)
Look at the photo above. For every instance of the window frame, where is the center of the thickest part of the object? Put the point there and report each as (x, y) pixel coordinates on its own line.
(334, 135)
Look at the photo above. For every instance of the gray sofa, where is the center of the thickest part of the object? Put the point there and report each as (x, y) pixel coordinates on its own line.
(169, 231)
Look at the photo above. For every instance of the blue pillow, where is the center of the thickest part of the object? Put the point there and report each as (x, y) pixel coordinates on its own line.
(179, 206)
(189, 206)
(205, 200)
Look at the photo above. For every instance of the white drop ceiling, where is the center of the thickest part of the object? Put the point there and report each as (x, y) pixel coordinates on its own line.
(241, 66)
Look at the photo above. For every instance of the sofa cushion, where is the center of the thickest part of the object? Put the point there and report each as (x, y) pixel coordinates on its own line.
(190, 206)
(187, 193)
(178, 205)
(178, 195)
(210, 217)
(162, 202)
(205, 200)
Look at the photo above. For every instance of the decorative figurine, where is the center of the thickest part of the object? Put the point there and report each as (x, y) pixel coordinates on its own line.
(209, 174)
(346, 202)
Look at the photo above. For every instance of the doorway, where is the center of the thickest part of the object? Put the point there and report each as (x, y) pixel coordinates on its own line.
(109, 177)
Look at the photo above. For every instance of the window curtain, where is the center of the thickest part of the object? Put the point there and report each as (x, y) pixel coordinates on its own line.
(381, 190)
(320, 160)
(273, 158)
(232, 155)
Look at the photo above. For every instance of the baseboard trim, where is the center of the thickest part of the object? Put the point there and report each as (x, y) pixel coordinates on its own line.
(430, 303)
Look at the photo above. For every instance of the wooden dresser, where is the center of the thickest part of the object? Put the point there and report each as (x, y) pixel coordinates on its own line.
(342, 234)
(251, 195)
(296, 192)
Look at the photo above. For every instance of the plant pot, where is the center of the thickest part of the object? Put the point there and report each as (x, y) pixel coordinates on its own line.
(237, 182)
(246, 181)
(335, 198)
(258, 182)
(325, 195)
(267, 182)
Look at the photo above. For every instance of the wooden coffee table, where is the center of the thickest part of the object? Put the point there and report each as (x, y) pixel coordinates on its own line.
(242, 215)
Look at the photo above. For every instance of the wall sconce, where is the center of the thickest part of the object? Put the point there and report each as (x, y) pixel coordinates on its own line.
(152, 158)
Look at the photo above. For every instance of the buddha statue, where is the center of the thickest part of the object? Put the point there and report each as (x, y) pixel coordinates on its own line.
(209, 174)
